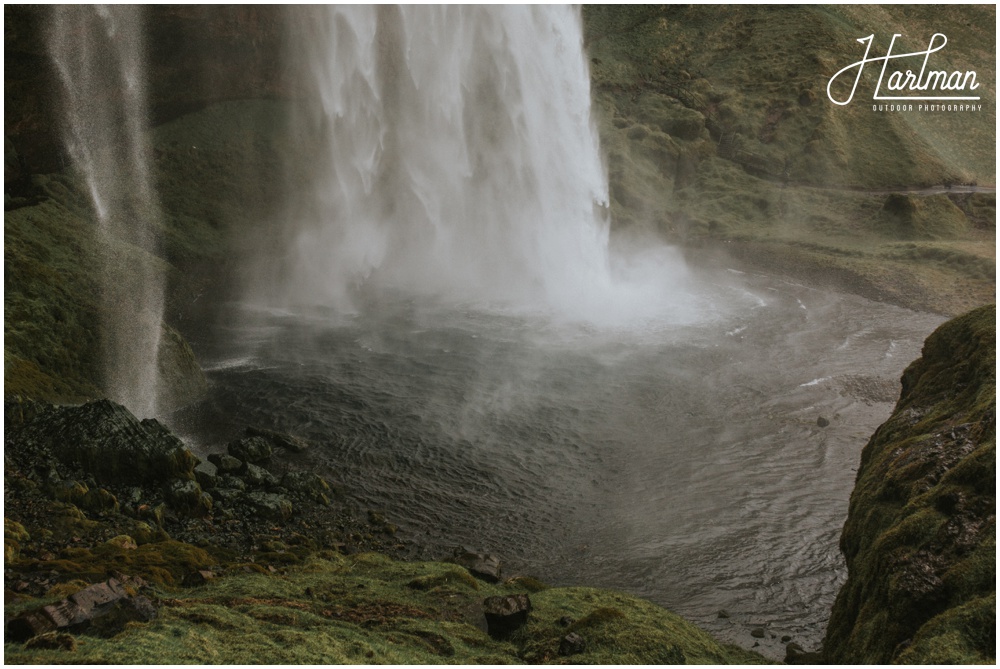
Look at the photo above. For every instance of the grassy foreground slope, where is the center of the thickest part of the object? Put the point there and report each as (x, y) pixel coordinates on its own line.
(717, 129)
(369, 609)
(920, 538)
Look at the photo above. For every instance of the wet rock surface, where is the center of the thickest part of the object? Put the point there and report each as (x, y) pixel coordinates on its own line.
(506, 614)
(104, 440)
(74, 511)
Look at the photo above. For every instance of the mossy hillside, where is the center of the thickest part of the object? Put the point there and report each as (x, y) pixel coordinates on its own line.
(717, 130)
(759, 74)
(920, 539)
(215, 173)
(368, 609)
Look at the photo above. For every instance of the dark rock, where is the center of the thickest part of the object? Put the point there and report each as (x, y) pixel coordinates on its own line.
(188, 498)
(505, 614)
(82, 611)
(285, 441)
(197, 578)
(232, 482)
(227, 495)
(121, 612)
(106, 440)
(258, 477)
(757, 632)
(71, 492)
(206, 475)
(572, 644)
(723, 613)
(566, 621)
(270, 506)
(786, 638)
(305, 482)
(99, 500)
(225, 464)
(481, 565)
(795, 654)
(250, 449)
(822, 422)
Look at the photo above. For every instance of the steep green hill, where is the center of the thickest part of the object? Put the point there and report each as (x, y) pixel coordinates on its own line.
(718, 129)
(920, 538)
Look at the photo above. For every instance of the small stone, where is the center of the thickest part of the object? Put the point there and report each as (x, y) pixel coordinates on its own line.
(225, 464)
(822, 422)
(506, 614)
(566, 621)
(757, 632)
(270, 506)
(285, 441)
(100, 500)
(206, 474)
(197, 578)
(305, 482)
(187, 498)
(723, 613)
(124, 542)
(795, 654)
(483, 566)
(250, 449)
(786, 638)
(572, 644)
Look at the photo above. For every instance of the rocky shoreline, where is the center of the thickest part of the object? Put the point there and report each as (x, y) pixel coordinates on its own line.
(76, 477)
(113, 528)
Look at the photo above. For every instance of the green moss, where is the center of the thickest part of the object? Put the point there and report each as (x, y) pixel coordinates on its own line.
(920, 538)
(360, 610)
(707, 143)
(14, 535)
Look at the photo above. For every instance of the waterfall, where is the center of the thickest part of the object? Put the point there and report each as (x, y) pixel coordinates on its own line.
(98, 53)
(451, 151)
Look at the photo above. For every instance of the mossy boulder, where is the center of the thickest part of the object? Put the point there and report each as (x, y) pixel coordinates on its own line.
(920, 537)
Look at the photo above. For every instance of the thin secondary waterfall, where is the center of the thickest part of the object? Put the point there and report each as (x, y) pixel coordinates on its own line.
(98, 52)
(456, 156)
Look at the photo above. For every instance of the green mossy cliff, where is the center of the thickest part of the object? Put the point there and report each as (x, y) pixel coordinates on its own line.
(718, 132)
(920, 538)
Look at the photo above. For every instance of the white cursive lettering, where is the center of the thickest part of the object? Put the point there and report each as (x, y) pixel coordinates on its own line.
(899, 81)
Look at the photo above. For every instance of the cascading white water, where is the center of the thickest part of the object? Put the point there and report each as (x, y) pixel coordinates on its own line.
(98, 52)
(459, 159)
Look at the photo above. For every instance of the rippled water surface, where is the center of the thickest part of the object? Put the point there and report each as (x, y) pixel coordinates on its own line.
(681, 462)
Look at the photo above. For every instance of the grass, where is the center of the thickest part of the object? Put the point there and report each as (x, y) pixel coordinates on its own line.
(717, 129)
(368, 609)
(920, 538)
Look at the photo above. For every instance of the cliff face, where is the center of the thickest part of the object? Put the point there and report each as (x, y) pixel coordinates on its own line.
(920, 538)
(197, 55)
